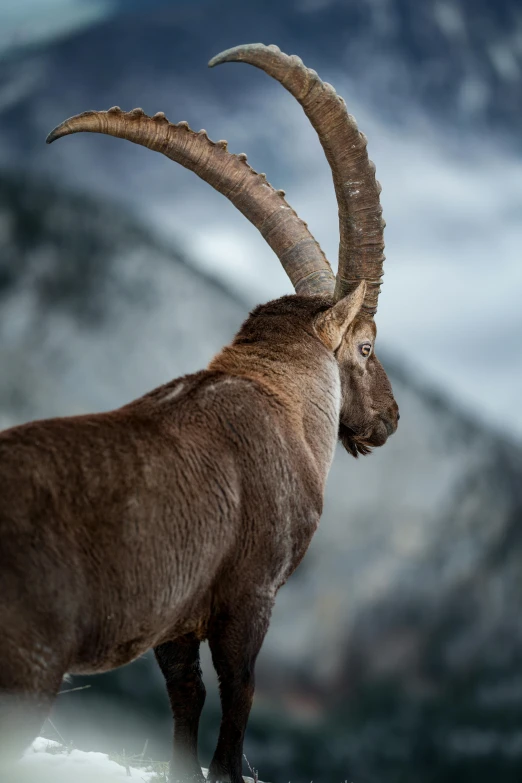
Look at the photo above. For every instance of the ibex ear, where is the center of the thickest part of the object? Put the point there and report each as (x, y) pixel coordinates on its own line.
(331, 325)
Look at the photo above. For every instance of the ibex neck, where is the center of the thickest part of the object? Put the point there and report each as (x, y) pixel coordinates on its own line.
(305, 381)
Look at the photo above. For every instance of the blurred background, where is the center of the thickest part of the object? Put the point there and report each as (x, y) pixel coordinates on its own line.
(395, 651)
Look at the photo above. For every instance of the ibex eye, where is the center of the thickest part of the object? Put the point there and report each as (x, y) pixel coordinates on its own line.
(365, 349)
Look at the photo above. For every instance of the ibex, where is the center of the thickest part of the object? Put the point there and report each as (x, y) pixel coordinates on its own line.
(177, 518)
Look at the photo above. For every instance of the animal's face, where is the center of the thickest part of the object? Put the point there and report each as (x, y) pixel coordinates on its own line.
(369, 413)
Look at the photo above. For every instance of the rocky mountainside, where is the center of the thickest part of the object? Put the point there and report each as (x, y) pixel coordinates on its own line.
(395, 648)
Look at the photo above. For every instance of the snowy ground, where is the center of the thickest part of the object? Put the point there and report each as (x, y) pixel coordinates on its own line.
(49, 762)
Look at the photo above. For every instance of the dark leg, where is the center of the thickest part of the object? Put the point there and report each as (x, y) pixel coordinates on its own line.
(235, 639)
(179, 662)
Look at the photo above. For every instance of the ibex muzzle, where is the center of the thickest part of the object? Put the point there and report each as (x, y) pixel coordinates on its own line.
(179, 516)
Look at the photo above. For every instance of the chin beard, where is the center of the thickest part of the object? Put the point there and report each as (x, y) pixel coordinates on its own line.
(353, 443)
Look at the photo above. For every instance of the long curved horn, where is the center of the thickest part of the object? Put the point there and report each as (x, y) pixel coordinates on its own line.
(287, 235)
(360, 223)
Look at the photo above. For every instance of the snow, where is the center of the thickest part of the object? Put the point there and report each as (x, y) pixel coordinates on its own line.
(45, 762)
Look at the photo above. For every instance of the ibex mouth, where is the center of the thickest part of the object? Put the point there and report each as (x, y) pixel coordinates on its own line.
(362, 442)
(353, 443)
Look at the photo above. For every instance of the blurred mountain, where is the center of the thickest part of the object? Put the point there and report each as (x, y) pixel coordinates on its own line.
(29, 23)
(74, 274)
(435, 87)
(459, 60)
(395, 649)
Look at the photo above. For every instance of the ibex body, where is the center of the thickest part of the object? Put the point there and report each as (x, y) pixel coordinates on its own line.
(177, 517)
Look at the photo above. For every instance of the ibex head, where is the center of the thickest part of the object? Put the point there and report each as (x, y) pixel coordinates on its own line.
(344, 313)
(369, 413)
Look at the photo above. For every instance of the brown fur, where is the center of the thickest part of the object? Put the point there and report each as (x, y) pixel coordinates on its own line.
(179, 516)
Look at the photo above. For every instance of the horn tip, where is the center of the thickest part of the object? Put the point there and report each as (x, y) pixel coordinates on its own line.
(236, 53)
(71, 125)
(222, 57)
(56, 133)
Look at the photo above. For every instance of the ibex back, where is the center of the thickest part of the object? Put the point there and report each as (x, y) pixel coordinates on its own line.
(177, 517)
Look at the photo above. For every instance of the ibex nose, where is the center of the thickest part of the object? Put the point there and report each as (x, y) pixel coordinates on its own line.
(390, 426)
(391, 420)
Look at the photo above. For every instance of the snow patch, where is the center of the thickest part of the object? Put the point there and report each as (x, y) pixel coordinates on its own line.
(45, 762)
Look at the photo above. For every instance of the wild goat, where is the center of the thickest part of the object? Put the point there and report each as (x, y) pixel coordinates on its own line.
(178, 517)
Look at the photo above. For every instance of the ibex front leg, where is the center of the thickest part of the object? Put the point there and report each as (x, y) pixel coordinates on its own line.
(235, 639)
(179, 662)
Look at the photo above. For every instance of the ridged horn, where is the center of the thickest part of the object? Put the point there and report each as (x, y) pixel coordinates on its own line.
(265, 207)
(361, 226)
